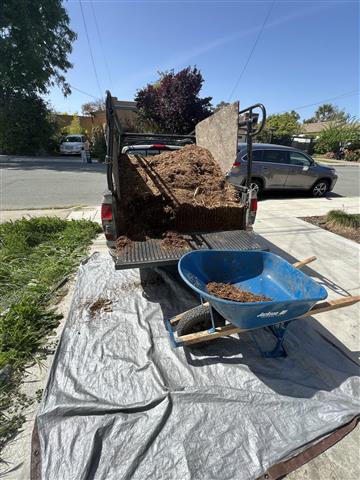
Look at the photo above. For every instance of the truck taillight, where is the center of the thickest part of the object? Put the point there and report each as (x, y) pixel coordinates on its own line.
(253, 205)
(106, 211)
(159, 146)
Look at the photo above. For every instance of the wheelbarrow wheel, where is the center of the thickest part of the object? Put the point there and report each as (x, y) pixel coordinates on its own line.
(196, 320)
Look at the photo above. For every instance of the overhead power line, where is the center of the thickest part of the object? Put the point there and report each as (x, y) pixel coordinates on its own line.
(100, 42)
(85, 93)
(353, 93)
(252, 50)
(90, 50)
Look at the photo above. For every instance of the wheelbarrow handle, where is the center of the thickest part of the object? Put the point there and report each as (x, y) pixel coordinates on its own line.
(304, 262)
(299, 264)
(230, 329)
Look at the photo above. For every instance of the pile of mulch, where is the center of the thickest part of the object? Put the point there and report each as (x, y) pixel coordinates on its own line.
(231, 292)
(178, 191)
(346, 232)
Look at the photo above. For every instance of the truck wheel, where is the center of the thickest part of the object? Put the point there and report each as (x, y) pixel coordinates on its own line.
(320, 188)
(197, 320)
(256, 185)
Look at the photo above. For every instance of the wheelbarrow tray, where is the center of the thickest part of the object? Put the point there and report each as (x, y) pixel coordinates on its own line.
(263, 273)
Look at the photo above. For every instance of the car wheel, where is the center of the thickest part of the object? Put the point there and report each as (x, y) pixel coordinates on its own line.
(320, 188)
(256, 186)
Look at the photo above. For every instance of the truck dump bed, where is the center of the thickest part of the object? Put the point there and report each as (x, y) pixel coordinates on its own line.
(152, 252)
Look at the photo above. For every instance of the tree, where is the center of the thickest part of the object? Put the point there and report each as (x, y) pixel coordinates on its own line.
(172, 104)
(328, 112)
(35, 42)
(26, 125)
(280, 128)
(91, 107)
(98, 143)
(220, 105)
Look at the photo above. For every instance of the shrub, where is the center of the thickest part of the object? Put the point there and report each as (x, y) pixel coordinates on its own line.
(352, 155)
(337, 134)
(98, 143)
(330, 155)
(341, 218)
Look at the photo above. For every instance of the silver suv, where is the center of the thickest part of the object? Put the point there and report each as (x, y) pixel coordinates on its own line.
(279, 167)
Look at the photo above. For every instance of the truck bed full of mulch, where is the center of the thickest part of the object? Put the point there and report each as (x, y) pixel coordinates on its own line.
(231, 292)
(346, 232)
(177, 191)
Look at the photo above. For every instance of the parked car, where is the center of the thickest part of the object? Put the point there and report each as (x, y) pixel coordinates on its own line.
(73, 144)
(280, 167)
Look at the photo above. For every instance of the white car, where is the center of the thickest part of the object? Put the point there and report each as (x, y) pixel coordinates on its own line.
(72, 144)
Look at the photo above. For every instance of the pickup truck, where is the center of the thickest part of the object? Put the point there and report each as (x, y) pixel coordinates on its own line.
(219, 134)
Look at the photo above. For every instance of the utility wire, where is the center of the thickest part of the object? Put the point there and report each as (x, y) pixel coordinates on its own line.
(101, 44)
(353, 93)
(252, 50)
(90, 49)
(85, 93)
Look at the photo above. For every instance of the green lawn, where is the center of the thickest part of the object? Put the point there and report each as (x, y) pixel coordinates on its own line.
(35, 256)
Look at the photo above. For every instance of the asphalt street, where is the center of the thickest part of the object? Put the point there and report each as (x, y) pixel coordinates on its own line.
(54, 182)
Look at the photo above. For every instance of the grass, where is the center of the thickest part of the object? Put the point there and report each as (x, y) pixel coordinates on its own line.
(36, 255)
(340, 218)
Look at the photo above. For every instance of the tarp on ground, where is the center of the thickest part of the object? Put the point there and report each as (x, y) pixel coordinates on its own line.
(122, 403)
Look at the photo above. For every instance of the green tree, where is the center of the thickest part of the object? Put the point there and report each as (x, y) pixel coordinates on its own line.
(220, 105)
(328, 112)
(75, 126)
(280, 128)
(172, 104)
(98, 143)
(35, 41)
(26, 125)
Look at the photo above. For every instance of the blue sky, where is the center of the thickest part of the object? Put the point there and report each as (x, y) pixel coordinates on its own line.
(308, 50)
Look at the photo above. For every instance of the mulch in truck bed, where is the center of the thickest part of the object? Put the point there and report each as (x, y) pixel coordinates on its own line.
(177, 191)
(231, 292)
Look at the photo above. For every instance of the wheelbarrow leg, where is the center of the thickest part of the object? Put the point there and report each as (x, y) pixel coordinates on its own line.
(279, 332)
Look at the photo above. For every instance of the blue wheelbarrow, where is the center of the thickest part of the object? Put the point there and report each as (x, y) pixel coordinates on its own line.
(293, 295)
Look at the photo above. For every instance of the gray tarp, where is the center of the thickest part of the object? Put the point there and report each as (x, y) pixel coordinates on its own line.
(122, 403)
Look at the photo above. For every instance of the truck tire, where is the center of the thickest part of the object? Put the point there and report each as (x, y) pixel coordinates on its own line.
(197, 320)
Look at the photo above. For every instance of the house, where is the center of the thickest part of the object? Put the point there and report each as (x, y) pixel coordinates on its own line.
(126, 114)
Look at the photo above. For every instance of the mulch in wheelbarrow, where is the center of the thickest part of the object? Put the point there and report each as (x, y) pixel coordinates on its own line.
(231, 292)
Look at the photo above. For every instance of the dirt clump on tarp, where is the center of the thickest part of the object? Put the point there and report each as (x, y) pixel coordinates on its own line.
(178, 191)
(231, 292)
(102, 304)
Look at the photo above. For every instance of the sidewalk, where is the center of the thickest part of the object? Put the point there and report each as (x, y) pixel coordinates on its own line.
(304, 207)
(72, 213)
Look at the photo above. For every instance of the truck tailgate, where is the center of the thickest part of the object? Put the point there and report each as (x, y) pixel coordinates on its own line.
(150, 253)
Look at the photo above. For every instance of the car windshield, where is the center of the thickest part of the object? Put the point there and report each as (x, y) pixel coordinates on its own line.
(73, 139)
